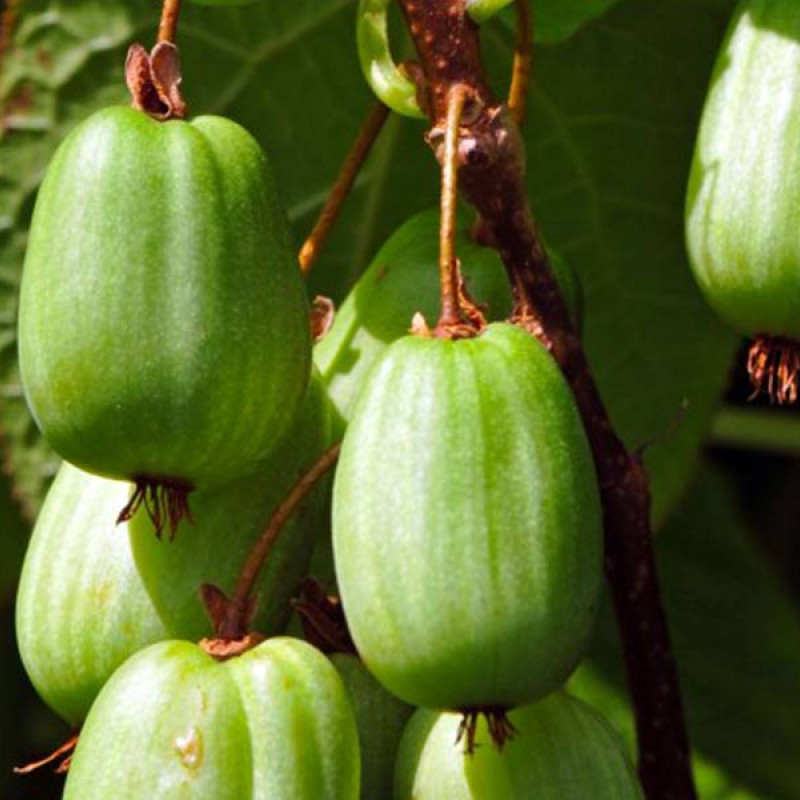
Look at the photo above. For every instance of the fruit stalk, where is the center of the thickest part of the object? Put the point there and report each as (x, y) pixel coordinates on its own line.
(168, 25)
(355, 159)
(450, 317)
(234, 623)
(491, 176)
(523, 56)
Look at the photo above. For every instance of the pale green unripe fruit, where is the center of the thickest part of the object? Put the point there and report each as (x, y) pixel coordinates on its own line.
(743, 204)
(466, 522)
(174, 724)
(163, 324)
(562, 750)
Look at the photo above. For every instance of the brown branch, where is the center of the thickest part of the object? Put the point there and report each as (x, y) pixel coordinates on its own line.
(491, 176)
(239, 608)
(355, 159)
(168, 26)
(523, 57)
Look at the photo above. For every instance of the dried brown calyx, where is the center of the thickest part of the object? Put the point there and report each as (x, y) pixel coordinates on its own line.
(773, 365)
(230, 618)
(165, 501)
(225, 649)
(501, 730)
(322, 617)
(323, 313)
(154, 81)
(470, 319)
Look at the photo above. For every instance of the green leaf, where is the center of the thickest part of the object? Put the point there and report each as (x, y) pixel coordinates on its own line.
(556, 20)
(737, 642)
(553, 20)
(610, 135)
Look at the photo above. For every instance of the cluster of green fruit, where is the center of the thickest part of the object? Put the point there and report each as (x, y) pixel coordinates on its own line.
(165, 350)
(166, 355)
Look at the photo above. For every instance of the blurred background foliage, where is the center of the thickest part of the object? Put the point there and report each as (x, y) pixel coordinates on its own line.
(613, 112)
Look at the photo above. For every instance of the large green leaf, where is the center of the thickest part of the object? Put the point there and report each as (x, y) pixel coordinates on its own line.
(736, 636)
(610, 137)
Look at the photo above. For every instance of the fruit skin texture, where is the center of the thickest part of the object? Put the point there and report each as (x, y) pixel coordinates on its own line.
(564, 749)
(743, 205)
(401, 280)
(466, 522)
(381, 719)
(93, 593)
(81, 606)
(163, 325)
(172, 723)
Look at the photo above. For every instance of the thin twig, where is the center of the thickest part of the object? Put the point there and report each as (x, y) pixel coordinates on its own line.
(8, 24)
(448, 267)
(168, 26)
(234, 624)
(355, 159)
(523, 57)
(493, 181)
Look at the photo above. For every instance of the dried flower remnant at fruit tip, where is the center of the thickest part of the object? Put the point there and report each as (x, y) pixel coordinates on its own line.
(154, 80)
(166, 502)
(773, 364)
(501, 729)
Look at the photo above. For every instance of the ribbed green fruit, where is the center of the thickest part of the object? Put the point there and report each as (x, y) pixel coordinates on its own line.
(403, 279)
(466, 522)
(743, 206)
(163, 326)
(93, 593)
(82, 608)
(173, 724)
(381, 719)
(563, 750)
